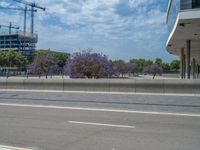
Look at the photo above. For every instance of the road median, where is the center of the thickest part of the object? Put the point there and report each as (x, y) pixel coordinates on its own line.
(164, 86)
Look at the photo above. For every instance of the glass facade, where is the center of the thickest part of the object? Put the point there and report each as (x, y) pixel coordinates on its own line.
(196, 4)
(176, 6)
(190, 4)
(186, 4)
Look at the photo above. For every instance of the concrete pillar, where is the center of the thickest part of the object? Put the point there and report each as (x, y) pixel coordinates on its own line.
(194, 68)
(184, 66)
(182, 63)
(198, 71)
(188, 52)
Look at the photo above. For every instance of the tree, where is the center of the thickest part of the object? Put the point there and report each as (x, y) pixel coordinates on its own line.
(12, 58)
(90, 65)
(121, 66)
(43, 65)
(20, 60)
(175, 65)
(131, 68)
(2, 59)
(166, 67)
(153, 69)
(158, 61)
(61, 58)
(141, 63)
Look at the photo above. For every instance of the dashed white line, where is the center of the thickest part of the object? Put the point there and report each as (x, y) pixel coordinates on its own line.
(101, 124)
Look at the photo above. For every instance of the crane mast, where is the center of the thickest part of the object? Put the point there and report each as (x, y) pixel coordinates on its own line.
(25, 13)
(23, 42)
(32, 5)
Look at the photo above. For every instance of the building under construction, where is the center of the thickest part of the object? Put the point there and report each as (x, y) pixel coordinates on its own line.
(21, 41)
(25, 43)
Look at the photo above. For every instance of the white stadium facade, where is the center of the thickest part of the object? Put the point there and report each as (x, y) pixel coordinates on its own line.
(183, 20)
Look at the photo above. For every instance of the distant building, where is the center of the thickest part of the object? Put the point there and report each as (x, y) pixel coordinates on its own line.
(25, 43)
(183, 19)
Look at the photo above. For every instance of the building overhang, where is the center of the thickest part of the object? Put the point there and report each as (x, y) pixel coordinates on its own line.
(187, 27)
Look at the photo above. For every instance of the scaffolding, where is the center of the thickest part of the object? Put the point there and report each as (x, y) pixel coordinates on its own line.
(25, 43)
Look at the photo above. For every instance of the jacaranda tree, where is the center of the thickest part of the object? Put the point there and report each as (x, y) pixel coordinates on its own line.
(131, 68)
(123, 67)
(153, 69)
(43, 65)
(89, 65)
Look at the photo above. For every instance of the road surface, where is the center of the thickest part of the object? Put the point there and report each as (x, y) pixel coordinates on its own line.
(59, 121)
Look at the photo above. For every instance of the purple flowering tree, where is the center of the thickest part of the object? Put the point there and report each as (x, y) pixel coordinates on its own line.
(131, 68)
(124, 68)
(90, 65)
(153, 69)
(120, 66)
(43, 65)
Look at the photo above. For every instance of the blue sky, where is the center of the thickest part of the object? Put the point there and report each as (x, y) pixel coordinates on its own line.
(121, 29)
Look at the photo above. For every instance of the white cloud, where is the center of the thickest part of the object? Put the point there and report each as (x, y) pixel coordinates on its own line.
(4, 4)
(73, 24)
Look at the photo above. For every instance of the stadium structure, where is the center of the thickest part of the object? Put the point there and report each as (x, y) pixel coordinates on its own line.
(183, 20)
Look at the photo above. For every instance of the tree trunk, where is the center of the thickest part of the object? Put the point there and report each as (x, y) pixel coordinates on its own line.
(154, 75)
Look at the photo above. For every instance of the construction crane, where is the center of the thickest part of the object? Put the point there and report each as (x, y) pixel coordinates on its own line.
(32, 5)
(21, 9)
(10, 27)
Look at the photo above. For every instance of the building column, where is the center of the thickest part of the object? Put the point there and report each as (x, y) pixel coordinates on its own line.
(198, 71)
(182, 63)
(188, 52)
(184, 66)
(194, 68)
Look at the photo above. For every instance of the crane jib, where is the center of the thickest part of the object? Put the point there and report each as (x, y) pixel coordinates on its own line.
(32, 7)
(30, 4)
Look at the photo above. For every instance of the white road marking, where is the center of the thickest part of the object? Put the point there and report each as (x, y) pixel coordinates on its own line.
(5, 147)
(100, 92)
(102, 110)
(101, 124)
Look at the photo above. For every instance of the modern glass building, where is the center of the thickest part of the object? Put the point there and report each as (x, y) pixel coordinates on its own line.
(183, 20)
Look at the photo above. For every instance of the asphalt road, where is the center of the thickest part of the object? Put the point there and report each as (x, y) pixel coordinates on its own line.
(76, 129)
(160, 103)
